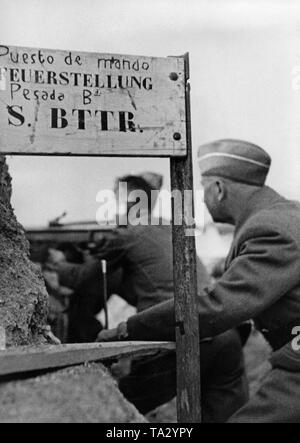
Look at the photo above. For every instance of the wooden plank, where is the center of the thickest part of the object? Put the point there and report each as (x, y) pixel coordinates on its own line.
(185, 281)
(27, 359)
(76, 103)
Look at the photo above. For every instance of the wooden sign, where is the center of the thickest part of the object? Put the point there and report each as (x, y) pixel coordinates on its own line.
(73, 103)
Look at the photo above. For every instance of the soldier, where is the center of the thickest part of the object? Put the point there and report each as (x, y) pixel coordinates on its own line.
(261, 281)
(144, 252)
(140, 263)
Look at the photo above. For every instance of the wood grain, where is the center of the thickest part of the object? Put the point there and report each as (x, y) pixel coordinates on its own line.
(27, 359)
(185, 282)
(98, 105)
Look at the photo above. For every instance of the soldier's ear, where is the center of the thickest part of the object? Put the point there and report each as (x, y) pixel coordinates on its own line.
(221, 190)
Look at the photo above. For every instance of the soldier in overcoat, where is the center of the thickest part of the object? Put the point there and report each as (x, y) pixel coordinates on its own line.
(261, 280)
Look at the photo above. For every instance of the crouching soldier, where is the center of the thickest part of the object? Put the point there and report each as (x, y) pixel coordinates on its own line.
(261, 281)
(144, 254)
(147, 256)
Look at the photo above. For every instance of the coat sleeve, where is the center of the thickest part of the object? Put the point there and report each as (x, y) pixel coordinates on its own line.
(73, 275)
(112, 248)
(265, 269)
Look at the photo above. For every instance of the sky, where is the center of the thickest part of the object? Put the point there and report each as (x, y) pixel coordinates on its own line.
(244, 60)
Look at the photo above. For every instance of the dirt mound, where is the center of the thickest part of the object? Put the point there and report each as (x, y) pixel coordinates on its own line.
(23, 296)
(84, 394)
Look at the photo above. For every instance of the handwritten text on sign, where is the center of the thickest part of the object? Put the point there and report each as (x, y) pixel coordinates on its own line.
(62, 102)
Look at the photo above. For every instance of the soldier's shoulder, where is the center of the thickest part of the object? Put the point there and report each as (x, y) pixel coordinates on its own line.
(282, 219)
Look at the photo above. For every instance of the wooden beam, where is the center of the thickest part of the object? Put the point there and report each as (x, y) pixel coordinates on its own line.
(185, 281)
(28, 359)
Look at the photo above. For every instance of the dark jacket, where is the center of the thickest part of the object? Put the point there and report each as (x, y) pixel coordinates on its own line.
(261, 281)
(145, 255)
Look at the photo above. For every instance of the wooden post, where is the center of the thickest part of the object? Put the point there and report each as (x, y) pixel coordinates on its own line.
(185, 281)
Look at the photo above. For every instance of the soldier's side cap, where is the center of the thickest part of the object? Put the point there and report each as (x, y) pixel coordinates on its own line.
(235, 160)
(156, 181)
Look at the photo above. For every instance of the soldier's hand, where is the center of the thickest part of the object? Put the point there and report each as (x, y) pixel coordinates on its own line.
(108, 335)
(51, 278)
(55, 256)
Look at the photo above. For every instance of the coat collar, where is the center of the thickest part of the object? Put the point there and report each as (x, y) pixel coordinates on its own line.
(263, 198)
